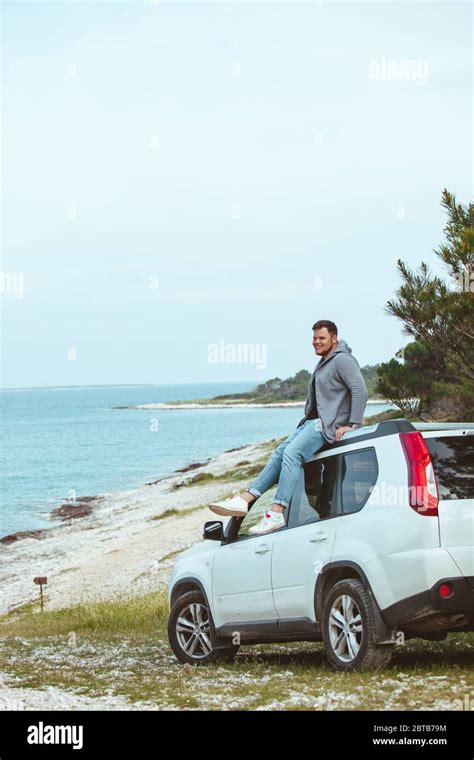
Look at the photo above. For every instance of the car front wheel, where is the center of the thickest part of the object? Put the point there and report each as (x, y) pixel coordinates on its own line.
(189, 632)
(348, 628)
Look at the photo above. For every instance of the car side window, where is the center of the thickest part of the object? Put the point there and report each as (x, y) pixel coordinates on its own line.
(359, 472)
(315, 496)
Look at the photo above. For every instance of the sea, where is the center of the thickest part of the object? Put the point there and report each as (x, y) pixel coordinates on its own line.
(64, 443)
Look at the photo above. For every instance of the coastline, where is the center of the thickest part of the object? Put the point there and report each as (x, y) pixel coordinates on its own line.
(122, 540)
(127, 542)
(230, 405)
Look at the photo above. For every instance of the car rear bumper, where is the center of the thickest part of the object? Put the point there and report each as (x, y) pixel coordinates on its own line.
(428, 603)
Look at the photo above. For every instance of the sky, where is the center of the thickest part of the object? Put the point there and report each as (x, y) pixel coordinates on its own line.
(181, 180)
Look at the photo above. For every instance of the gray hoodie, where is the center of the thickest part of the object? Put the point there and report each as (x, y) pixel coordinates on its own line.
(341, 392)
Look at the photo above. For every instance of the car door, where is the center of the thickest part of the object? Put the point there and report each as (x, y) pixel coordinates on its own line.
(241, 574)
(304, 547)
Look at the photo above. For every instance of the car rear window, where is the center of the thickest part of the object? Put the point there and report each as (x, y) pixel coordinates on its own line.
(453, 463)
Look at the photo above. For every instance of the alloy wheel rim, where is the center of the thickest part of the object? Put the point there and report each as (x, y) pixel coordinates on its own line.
(345, 628)
(193, 630)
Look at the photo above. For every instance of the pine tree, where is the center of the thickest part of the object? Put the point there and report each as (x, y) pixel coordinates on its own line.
(439, 315)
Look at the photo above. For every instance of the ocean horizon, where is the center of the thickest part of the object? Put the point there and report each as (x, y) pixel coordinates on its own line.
(59, 446)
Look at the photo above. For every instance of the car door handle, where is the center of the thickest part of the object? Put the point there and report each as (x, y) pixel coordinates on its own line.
(320, 536)
(262, 549)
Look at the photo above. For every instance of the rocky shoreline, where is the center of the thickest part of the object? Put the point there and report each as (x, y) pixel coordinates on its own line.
(122, 542)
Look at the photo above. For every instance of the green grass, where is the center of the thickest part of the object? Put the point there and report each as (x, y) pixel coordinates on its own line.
(119, 647)
(242, 471)
(124, 614)
(168, 513)
(200, 477)
(177, 512)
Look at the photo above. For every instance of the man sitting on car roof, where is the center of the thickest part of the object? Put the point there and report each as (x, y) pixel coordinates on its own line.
(337, 397)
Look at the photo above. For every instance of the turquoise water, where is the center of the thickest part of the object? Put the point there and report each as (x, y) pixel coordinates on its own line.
(61, 442)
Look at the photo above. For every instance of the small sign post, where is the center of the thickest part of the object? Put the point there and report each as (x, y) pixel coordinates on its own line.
(41, 580)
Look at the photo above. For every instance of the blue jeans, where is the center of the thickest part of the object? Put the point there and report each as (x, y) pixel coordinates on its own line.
(284, 465)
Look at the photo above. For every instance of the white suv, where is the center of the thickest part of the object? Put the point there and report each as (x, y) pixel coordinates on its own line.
(378, 548)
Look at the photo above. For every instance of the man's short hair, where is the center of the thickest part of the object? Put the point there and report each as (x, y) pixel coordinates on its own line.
(332, 329)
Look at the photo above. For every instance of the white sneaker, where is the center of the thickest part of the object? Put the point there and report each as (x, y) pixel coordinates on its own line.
(270, 521)
(235, 506)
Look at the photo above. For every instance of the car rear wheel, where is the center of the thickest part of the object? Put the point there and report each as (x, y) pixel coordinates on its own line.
(189, 632)
(348, 628)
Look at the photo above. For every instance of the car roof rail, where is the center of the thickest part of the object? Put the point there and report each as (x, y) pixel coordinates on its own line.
(428, 426)
(369, 432)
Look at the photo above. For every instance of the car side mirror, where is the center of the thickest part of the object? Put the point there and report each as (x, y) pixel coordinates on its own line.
(213, 530)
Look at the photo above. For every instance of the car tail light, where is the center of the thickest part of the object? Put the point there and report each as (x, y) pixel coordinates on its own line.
(422, 488)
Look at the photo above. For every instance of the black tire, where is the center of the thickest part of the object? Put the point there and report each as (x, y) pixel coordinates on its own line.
(193, 608)
(352, 647)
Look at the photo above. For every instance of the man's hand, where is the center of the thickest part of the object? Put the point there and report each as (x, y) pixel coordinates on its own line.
(340, 432)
